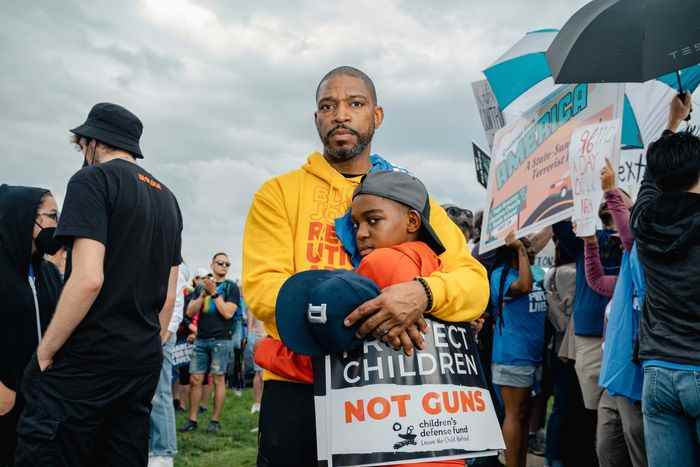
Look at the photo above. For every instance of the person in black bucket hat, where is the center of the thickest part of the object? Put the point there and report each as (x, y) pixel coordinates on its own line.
(113, 126)
(90, 384)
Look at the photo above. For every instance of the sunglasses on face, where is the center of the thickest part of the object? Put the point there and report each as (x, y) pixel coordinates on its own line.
(457, 212)
(224, 264)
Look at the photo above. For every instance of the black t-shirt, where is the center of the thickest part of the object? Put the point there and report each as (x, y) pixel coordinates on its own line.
(211, 324)
(138, 220)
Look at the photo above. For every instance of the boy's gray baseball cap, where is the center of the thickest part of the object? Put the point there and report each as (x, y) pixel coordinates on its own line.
(407, 190)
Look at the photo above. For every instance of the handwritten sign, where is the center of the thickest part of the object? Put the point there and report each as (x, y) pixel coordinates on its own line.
(589, 147)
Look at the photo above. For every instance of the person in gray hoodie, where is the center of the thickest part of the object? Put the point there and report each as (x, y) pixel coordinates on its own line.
(666, 223)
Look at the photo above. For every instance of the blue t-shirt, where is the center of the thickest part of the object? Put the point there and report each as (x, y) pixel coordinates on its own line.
(518, 337)
(589, 306)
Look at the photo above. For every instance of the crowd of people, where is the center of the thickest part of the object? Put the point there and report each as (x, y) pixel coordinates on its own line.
(106, 336)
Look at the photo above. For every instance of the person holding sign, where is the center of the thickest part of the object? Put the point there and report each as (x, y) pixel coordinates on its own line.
(390, 214)
(291, 227)
(520, 306)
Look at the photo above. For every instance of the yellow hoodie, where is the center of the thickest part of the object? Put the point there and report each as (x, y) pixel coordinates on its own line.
(290, 228)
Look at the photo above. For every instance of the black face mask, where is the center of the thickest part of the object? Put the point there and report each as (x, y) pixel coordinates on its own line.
(46, 244)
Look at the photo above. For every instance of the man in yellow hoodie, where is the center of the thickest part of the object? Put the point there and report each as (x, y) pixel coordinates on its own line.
(291, 227)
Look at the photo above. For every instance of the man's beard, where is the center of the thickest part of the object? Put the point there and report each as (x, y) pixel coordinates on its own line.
(346, 154)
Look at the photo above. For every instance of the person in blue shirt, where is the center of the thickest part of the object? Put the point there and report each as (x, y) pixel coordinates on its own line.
(589, 306)
(519, 303)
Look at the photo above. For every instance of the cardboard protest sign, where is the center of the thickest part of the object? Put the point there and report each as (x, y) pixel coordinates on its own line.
(491, 116)
(377, 407)
(590, 146)
(482, 162)
(530, 183)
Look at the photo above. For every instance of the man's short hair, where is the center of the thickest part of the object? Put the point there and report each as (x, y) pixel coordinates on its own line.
(75, 139)
(221, 253)
(674, 161)
(349, 71)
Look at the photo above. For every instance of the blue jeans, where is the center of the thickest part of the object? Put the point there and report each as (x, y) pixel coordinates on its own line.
(162, 439)
(211, 356)
(671, 407)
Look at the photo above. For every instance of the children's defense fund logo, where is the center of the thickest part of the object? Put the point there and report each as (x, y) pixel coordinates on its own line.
(406, 438)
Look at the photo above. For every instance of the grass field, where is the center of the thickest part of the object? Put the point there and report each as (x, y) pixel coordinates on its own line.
(234, 446)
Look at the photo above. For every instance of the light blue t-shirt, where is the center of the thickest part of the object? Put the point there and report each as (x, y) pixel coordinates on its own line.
(518, 337)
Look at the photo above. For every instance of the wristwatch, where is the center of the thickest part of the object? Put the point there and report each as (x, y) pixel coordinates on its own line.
(215, 296)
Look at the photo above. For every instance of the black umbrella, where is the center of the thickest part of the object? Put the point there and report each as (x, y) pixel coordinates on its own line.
(624, 41)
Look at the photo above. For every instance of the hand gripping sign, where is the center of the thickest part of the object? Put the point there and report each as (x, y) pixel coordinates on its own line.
(375, 406)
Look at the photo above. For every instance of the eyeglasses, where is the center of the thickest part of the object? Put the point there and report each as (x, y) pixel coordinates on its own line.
(224, 264)
(454, 211)
(51, 215)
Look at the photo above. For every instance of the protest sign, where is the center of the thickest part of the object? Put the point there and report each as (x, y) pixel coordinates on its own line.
(530, 183)
(590, 146)
(491, 116)
(545, 258)
(375, 406)
(482, 162)
(182, 354)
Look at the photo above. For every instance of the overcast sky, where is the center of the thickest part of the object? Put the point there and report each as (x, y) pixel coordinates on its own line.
(225, 90)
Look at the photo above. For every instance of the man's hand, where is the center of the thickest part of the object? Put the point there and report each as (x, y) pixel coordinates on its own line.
(681, 106)
(389, 316)
(191, 338)
(209, 286)
(607, 177)
(7, 399)
(165, 336)
(477, 325)
(43, 358)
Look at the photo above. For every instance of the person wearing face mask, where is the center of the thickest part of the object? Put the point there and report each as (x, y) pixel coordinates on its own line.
(29, 289)
(89, 387)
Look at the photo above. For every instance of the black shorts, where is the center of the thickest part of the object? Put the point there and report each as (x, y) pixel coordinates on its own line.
(287, 430)
(76, 417)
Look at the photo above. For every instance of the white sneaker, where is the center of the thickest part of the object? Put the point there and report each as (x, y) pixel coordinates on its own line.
(238, 392)
(254, 430)
(255, 408)
(159, 461)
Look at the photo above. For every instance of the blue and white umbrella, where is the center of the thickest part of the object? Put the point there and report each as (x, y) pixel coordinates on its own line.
(521, 77)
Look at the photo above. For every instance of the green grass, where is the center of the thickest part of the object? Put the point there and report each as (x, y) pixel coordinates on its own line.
(233, 446)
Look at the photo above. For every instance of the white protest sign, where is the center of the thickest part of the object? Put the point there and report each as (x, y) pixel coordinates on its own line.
(376, 406)
(589, 147)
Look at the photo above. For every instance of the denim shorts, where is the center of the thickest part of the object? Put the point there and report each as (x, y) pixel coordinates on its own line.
(211, 355)
(515, 376)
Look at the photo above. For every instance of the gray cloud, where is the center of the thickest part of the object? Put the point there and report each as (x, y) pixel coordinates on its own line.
(226, 90)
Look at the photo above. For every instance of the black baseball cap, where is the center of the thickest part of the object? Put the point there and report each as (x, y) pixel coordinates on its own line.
(114, 125)
(406, 189)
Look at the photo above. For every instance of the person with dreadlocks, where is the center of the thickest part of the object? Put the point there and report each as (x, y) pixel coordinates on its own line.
(519, 305)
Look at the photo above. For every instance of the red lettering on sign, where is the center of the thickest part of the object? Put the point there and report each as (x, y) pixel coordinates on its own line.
(357, 411)
(432, 409)
(467, 400)
(480, 404)
(451, 406)
(401, 403)
(385, 408)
